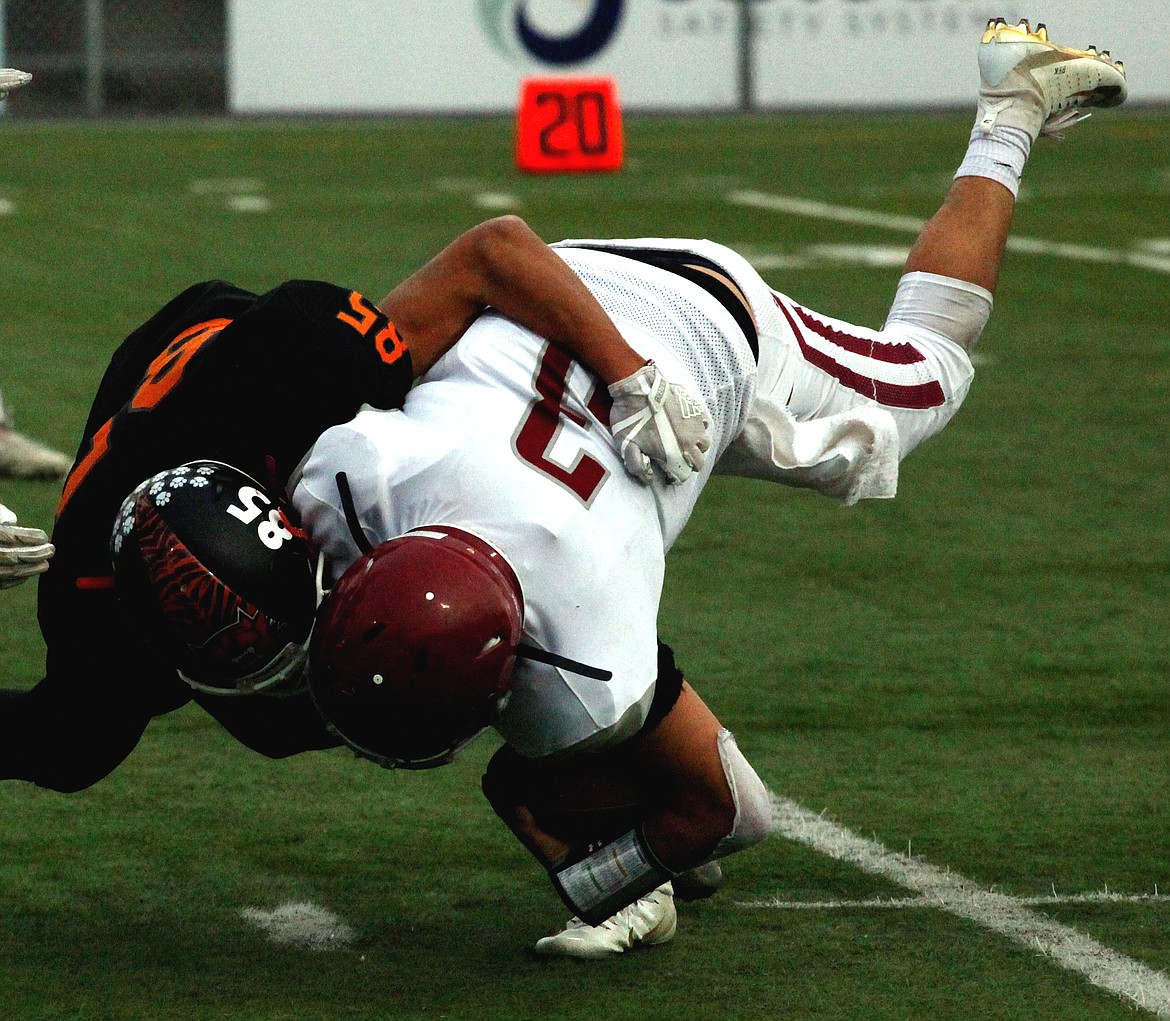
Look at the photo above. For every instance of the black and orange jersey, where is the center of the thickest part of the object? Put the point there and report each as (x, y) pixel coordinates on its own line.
(218, 373)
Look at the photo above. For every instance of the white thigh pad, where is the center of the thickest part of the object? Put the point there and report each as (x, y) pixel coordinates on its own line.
(944, 306)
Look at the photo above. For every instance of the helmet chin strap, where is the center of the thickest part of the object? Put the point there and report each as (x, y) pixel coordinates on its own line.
(350, 511)
(552, 659)
(283, 677)
(319, 583)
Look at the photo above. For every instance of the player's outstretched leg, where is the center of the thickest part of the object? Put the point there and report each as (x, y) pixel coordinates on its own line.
(22, 457)
(1029, 87)
(11, 78)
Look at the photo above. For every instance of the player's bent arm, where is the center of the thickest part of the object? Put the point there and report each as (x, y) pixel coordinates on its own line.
(503, 263)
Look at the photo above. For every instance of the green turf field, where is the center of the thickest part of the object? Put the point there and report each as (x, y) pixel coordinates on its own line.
(959, 697)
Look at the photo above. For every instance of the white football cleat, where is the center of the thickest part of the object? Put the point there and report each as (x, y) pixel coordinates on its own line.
(25, 458)
(10, 79)
(1030, 83)
(647, 922)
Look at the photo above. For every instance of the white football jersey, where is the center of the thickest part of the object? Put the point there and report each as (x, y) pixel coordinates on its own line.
(507, 438)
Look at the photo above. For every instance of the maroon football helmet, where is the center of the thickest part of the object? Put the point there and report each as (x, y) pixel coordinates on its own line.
(219, 577)
(414, 646)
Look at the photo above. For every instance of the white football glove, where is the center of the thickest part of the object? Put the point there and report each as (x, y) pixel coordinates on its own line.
(10, 79)
(23, 551)
(658, 422)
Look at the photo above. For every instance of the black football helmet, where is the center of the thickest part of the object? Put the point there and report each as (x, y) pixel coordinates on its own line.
(222, 579)
(414, 646)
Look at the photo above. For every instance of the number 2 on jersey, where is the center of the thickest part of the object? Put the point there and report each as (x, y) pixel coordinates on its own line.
(542, 424)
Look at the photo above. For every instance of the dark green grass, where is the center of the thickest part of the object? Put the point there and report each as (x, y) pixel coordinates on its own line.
(975, 672)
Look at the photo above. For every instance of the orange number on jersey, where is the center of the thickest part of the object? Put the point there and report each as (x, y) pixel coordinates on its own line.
(389, 345)
(160, 379)
(365, 314)
(167, 369)
(98, 446)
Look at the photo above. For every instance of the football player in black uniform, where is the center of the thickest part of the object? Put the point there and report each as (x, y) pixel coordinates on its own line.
(224, 375)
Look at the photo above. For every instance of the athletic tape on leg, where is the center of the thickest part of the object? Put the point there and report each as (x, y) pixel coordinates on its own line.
(600, 883)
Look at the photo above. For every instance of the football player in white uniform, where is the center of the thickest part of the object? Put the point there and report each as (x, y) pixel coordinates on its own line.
(497, 565)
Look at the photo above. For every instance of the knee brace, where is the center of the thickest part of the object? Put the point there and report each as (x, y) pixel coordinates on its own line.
(753, 805)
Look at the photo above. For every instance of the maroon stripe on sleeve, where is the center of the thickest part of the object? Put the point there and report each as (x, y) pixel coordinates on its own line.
(882, 351)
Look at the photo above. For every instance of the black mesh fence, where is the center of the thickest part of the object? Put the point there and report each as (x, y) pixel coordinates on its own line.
(119, 57)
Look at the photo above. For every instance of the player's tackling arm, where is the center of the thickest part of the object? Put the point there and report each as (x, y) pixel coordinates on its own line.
(502, 263)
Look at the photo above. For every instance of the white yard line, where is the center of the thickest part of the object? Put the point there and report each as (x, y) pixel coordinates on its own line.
(1142, 259)
(824, 211)
(248, 203)
(239, 194)
(1050, 900)
(496, 200)
(1009, 916)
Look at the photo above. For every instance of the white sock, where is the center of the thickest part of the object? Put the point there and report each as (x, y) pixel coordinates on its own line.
(1000, 156)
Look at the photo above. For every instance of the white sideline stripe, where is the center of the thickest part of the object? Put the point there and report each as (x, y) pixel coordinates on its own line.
(911, 224)
(926, 902)
(1008, 916)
